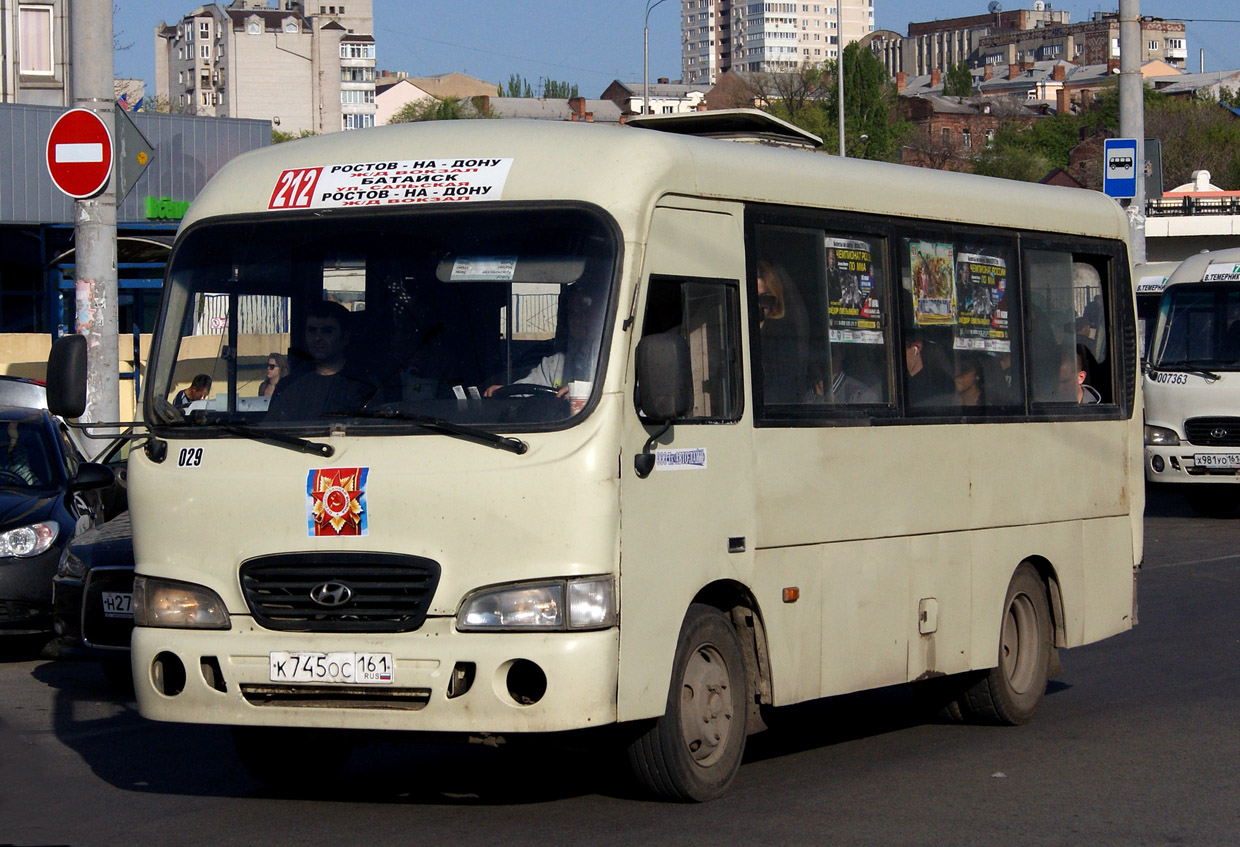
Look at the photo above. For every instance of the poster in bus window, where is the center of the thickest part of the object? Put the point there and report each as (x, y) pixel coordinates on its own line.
(856, 313)
(981, 291)
(933, 271)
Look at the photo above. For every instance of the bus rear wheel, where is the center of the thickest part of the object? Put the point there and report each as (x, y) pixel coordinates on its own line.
(1011, 691)
(693, 751)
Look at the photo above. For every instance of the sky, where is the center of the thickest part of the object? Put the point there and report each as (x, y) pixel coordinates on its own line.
(592, 42)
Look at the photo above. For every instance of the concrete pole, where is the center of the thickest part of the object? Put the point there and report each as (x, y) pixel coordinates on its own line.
(839, 65)
(95, 218)
(1132, 113)
(646, 110)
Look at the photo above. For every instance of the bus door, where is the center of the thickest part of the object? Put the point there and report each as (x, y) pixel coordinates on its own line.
(691, 521)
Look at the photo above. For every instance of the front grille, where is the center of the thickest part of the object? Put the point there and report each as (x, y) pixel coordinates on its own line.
(1213, 432)
(364, 592)
(337, 697)
(98, 629)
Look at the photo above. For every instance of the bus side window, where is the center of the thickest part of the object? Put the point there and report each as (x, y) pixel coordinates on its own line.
(1068, 327)
(707, 313)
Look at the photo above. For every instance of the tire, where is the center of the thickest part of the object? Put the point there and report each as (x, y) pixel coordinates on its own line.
(299, 761)
(1011, 691)
(693, 751)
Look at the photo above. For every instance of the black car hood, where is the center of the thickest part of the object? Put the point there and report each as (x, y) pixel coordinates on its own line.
(20, 508)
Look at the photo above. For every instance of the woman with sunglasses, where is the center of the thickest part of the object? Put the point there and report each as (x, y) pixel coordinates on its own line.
(277, 367)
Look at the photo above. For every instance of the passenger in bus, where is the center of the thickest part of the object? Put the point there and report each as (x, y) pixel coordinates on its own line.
(198, 389)
(324, 388)
(845, 389)
(928, 380)
(277, 369)
(1086, 394)
(782, 326)
(970, 384)
(573, 363)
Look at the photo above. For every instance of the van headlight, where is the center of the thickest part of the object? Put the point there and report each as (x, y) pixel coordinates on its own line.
(27, 541)
(177, 605)
(1159, 436)
(554, 605)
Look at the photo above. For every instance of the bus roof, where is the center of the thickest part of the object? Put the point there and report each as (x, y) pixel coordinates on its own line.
(625, 170)
(1214, 265)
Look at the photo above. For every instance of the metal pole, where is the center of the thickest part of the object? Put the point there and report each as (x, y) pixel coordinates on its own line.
(839, 65)
(95, 218)
(1132, 113)
(646, 110)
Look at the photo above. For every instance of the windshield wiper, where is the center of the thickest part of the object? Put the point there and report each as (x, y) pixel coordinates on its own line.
(257, 433)
(503, 442)
(1184, 367)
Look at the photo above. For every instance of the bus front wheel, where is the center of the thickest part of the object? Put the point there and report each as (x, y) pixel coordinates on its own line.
(693, 751)
(1010, 692)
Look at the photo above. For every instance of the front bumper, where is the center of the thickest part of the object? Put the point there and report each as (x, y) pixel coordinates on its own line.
(1176, 465)
(444, 680)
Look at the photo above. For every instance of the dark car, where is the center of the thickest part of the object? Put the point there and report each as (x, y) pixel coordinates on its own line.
(48, 494)
(94, 597)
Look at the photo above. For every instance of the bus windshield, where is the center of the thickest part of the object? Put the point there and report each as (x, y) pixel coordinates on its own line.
(1199, 327)
(374, 321)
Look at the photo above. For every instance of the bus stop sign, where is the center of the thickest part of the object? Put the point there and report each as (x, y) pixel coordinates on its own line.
(1119, 167)
(79, 153)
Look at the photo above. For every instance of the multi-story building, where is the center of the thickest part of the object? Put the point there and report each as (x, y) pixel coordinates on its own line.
(34, 53)
(766, 37)
(1040, 34)
(301, 65)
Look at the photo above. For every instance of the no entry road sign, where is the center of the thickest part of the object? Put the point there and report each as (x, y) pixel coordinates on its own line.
(79, 153)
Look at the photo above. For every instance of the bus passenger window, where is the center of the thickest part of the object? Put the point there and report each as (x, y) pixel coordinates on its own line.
(848, 362)
(1069, 344)
(707, 314)
(782, 332)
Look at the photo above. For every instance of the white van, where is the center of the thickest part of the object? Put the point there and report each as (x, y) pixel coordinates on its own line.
(1192, 384)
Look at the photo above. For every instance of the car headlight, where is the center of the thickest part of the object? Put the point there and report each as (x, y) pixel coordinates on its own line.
(177, 605)
(576, 604)
(71, 565)
(1159, 436)
(27, 541)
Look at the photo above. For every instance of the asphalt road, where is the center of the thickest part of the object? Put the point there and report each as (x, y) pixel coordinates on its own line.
(1136, 743)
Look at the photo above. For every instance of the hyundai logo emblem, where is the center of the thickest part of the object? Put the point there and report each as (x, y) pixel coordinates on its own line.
(1218, 433)
(331, 594)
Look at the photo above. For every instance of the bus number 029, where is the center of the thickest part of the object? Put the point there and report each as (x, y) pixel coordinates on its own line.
(189, 457)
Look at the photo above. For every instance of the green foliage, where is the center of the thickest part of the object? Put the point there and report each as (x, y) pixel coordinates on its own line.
(432, 109)
(959, 81)
(551, 89)
(279, 136)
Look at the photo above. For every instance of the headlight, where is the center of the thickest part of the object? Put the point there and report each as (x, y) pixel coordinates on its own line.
(1158, 436)
(591, 604)
(28, 540)
(177, 605)
(71, 565)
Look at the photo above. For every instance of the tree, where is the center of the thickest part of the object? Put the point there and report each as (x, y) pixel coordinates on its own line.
(279, 136)
(959, 81)
(433, 109)
(551, 89)
(872, 130)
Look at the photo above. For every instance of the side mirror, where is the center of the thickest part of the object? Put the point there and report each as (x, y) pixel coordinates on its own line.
(66, 377)
(664, 377)
(92, 475)
(664, 388)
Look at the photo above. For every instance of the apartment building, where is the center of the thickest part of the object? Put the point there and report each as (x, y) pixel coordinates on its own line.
(34, 53)
(300, 64)
(766, 37)
(1040, 34)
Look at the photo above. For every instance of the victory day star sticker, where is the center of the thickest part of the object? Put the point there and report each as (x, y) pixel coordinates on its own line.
(336, 502)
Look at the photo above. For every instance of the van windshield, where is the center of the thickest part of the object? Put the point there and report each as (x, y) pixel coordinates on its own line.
(1199, 327)
(493, 319)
